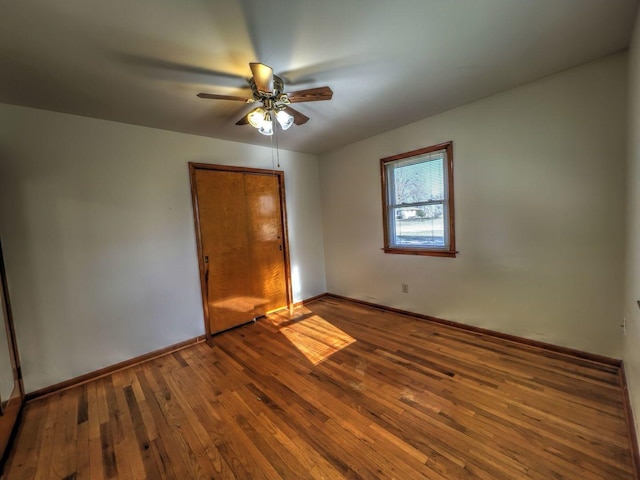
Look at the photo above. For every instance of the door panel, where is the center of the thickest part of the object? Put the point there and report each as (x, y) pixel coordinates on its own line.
(266, 239)
(223, 230)
(242, 243)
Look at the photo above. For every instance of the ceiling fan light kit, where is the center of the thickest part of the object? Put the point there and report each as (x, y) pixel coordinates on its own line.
(268, 89)
(262, 117)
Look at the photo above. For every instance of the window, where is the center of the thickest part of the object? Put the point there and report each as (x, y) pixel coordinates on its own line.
(417, 196)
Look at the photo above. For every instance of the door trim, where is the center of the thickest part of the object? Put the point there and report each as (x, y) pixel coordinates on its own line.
(10, 418)
(279, 174)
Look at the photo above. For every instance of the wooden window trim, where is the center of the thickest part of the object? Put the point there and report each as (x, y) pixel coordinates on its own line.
(388, 248)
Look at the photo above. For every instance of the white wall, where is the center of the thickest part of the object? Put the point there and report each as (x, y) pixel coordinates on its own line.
(539, 203)
(631, 346)
(97, 228)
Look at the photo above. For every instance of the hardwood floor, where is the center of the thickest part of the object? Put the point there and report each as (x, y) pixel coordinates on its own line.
(338, 390)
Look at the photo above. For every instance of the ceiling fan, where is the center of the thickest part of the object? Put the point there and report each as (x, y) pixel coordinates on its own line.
(268, 89)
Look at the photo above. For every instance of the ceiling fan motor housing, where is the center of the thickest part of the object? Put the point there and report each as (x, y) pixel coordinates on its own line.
(275, 100)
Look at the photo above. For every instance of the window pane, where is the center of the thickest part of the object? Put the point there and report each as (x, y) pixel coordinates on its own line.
(420, 182)
(419, 226)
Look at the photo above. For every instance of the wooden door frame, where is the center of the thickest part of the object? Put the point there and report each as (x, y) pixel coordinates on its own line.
(10, 418)
(279, 174)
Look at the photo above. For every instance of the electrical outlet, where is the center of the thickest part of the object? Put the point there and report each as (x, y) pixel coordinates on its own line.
(405, 288)
(624, 326)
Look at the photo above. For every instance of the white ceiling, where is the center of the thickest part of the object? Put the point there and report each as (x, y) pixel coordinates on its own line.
(388, 63)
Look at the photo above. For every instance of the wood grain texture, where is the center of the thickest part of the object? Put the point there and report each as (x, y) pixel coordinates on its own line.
(571, 352)
(242, 243)
(311, 95)
(87, 377)
(338, 390)
(225, 243)
(266, 253)
(299, 118)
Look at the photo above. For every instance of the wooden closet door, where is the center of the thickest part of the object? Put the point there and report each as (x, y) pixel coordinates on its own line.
(266, 242)
(242, 244)
(223, 232)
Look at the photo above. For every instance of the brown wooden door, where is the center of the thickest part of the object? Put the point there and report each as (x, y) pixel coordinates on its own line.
(266, 241)
(242, 247)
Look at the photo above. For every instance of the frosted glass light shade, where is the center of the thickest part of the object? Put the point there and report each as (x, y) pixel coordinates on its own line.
(267, 125)
(284, 119)
(256, 117)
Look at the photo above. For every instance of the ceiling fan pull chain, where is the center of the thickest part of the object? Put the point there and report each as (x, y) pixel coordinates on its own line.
(275, 134)
(273, 161)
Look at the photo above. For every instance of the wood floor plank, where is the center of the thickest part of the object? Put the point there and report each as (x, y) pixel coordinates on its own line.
(65, 437)
(336, 390)
(82, 449)
(169, 455)
(24, 463)
(93, 423)
(45, 453)
(131, 451)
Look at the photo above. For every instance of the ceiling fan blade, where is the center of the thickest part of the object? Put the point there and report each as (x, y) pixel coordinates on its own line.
(262, 76)
(298, 118)
(243, 121)
(215, 96)
(311, 95)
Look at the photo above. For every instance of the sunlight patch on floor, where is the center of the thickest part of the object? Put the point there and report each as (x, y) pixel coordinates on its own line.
(316, 338)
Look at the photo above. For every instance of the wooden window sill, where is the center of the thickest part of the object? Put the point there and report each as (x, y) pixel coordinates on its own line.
(419, 251)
